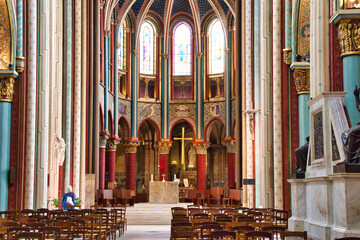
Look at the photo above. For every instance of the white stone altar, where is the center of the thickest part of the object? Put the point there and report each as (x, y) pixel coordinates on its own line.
(163, 192)
(324, 204)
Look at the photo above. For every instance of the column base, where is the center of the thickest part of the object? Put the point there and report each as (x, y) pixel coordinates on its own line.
(112, 185)
(296, 224)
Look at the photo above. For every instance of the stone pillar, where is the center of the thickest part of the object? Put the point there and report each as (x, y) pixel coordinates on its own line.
(130, 158)
(201, 157)
(302, 84)
(298, 204)
(164, 149)
(6, 96)
(110, 161)
(350, 53)
(102, 146)
(231, 158)
(31, 80)
(277, 100)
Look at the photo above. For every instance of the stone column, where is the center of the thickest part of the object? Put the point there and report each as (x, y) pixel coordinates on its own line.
(350, 53)
(102, 146)
(6, 97)
(130, 158)
(277, 100)
(31, 79)
(201, 155)
(110, 161)
(231, 158)
(302, 84)
(164, 149)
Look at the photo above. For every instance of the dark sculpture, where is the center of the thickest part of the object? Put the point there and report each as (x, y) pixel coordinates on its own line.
(351, 138)
(301, 157)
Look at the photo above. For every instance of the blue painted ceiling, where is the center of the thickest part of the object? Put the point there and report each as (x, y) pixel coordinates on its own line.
(181, 6)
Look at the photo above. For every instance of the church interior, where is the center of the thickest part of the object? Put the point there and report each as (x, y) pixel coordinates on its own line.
(121, 119)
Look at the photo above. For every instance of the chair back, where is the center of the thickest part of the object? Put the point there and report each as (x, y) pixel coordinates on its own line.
(222, 234)
(291, 234)
(29, 236)
(258, 235)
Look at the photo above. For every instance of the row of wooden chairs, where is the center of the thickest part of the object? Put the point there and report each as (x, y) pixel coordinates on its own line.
(83, 224)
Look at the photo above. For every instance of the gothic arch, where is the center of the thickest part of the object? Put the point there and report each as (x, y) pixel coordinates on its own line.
(182, 120)
(154, 125)
(121, 122)
(210, 127)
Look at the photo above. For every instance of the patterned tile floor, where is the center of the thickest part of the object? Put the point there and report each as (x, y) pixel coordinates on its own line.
(148, 232)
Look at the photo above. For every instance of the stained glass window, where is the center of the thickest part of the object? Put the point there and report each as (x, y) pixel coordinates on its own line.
(147, 49)
(216, 48)
(182, 50)
(121, 49)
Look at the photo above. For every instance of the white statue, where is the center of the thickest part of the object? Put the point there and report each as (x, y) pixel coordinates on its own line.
(191, 157)
(60, 145)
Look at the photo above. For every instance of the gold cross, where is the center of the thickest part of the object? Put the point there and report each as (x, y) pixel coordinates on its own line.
(183, 147)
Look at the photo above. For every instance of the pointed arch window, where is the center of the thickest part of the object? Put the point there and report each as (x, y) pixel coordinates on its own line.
(147, 49)
(182, 52)
(122, 57)
(216, 48)
(121, 49)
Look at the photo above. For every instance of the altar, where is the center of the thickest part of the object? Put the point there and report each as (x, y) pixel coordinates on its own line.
(163, 192)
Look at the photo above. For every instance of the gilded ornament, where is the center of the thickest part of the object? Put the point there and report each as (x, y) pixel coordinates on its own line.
(5, 36)
(20, 64)
(103, 139)
(111, 144)
(164, 147)
(7, 89)
(131, 146)
(345, 36)
(201, 148)
(287, 56)
(302, 81)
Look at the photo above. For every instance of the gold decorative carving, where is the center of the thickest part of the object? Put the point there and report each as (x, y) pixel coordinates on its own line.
(302, 81)
(351, 4)
(111, 144)
(201, 147)
(131, 146)
(230, 145)
(165, 56)
(164, 147)
(7, 89)
(287, 55)
(5, 36)
(349, 37)
(104, 136)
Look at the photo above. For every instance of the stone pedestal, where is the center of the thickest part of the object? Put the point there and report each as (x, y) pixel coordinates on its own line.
(298, 203)
(164, 192)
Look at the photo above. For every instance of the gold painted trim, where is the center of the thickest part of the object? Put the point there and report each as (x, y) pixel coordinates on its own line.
(350, 53)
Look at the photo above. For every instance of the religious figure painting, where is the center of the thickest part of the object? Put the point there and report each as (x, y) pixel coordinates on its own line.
(215, 110)
(5, 36)
(122, 108)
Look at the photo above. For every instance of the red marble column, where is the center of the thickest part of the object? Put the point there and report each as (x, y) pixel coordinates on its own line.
(201, 155)
(102, 148)
(130, 158)
(164, 149)
(110, 164)
(60, 193)
(231, 169)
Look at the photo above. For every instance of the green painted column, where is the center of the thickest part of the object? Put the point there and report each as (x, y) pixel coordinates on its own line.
(304, 118)
(351, 66)
(7, 87)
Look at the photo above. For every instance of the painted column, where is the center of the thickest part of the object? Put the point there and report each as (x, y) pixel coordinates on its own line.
(116, 81)
(227, 86)
(165, 90)
(249, 103)
(199, 96)
(68, 87)
(102, 147)
(106, 77)
(231, 158)
(302, 84)
(20, 60)
(110, 161)
(350, 53)
(164, 149)
(130, 158)
(77, 100)
(6, 96)
(266, 106)
(134, 88)
(83, 101)
(277, 99)
(43, 107)
(201, 157)
(32, 28)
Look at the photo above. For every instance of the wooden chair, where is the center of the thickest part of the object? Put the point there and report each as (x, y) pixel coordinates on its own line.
(284, 235)
(275, 230)
(79, 228)
(178, 210)
(178, 224)
(67, 229)
(52, 233)
(182, 232)
(258, 235)
(12, 231)
(35, 226)
(207, 229)
(281, 218)
(223, 234)
(29, 236)
(241, 230)
(27, 212)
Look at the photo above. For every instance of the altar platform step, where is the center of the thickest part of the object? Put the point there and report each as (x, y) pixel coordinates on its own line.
(151, 214)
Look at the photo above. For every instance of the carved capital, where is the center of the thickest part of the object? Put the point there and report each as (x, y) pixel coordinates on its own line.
(136, 52)
(131, 146)
(104, 136)
(7, 89)
(201, 147)
(20, 64)
(287, 55)
(198, 55)
(230, 145)
(106, 33)
(111, 144)
(165, 56)
(164, 147)
(349, 37)
(302, 81)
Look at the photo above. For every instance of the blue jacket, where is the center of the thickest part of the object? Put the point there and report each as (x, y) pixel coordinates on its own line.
(64, 198)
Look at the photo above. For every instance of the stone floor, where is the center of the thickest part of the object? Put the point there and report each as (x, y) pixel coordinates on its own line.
(151, 232)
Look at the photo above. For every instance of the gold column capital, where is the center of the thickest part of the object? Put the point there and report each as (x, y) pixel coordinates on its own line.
(131, 146)
(104, 136)
(164, 147)
(7, 89)
(287, 55)
(302, 81)
(112, 144)
(201, 147)
(349, 37)
(20, 64)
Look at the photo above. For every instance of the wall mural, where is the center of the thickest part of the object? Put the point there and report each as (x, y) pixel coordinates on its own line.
(151, 111)
(214, 110)
(178, 111)
(125, 110)
(5, 36)
(304, 28)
